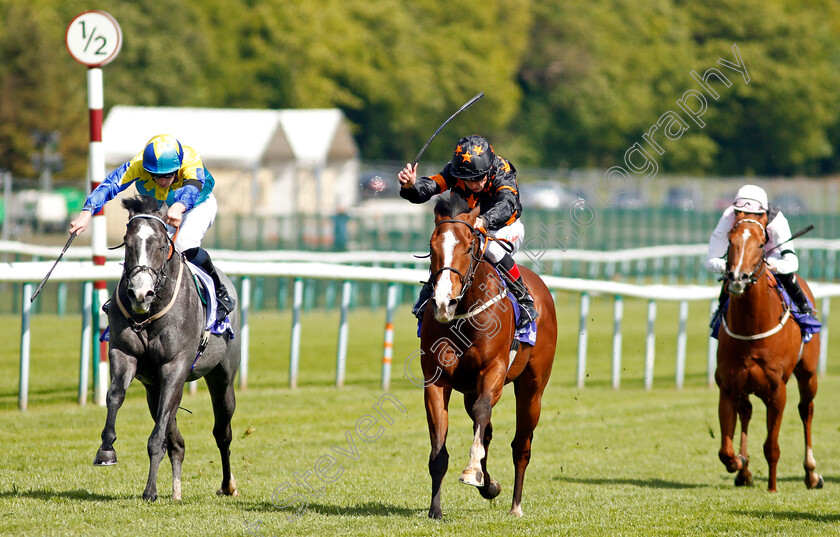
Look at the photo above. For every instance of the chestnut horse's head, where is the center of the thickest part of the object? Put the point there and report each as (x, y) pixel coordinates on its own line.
(745, 258)
(455, 256)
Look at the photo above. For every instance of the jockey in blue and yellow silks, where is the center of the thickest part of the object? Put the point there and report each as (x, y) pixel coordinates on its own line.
(173, 174)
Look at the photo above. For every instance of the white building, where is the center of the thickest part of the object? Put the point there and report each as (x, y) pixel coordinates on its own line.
(265, 162)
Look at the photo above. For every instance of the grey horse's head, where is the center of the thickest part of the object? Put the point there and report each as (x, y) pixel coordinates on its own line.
(146, 250)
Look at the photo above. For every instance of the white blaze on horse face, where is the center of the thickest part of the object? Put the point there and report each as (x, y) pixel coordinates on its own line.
(746, 236)
(443, 289)
(144, 234)
(142, 283)
(736, 285)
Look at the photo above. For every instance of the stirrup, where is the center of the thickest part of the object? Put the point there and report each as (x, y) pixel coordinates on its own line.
(224, 305)
(526, 311)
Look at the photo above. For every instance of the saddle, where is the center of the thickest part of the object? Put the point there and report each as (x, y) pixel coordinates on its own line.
(207, 292)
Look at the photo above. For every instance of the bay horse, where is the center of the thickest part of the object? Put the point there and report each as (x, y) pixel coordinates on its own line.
(156, 340)
(759, 347)
(465, 342)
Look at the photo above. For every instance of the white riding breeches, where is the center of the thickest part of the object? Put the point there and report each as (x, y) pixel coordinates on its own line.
(195, 224)
(513, 233)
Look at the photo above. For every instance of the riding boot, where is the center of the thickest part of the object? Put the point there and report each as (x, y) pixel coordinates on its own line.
(426, 292)
(225, 303)
(510, 272)
(719, 311)
(797, 295)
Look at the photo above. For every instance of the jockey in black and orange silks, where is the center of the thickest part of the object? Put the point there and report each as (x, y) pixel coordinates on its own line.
(486, 180)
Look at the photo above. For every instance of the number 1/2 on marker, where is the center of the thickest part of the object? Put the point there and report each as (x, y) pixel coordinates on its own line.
(89, 39)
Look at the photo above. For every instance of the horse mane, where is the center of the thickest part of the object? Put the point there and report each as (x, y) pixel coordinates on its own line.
(140, 205)
(451, 206)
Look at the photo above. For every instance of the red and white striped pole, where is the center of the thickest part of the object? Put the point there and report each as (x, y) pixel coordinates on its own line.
(98, 228)
(94, 38)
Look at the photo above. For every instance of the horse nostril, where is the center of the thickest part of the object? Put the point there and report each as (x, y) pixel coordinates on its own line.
(150, 294)
(453, 302)
(730, 275)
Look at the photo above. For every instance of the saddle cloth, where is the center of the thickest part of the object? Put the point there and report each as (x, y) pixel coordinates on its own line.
(808, 325)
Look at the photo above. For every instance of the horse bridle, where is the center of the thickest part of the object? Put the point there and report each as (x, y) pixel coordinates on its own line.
(759, 268)
(475, 255)
(159, 275)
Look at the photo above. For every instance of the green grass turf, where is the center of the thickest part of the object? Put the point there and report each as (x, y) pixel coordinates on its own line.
(604, 462)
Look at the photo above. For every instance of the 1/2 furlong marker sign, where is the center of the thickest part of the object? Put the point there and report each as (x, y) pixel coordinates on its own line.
(93, 38)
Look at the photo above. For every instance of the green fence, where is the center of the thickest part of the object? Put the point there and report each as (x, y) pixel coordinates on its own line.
(610, 230)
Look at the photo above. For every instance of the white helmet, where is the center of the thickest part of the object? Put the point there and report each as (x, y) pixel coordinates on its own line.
(751, 199)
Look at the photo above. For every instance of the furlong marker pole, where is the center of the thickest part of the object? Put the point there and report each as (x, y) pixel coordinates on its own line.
(97, 27)
(96, 174)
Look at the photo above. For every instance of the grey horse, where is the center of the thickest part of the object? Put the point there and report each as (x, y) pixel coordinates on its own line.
(156, 324)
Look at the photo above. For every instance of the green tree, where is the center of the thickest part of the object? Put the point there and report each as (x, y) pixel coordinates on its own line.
(779, 123)
(37, 88)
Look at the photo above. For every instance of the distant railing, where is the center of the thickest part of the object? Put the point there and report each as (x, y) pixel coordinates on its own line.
(26, 273)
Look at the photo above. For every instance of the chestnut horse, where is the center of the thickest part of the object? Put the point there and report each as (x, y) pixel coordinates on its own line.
(465, 341)
(759, 347)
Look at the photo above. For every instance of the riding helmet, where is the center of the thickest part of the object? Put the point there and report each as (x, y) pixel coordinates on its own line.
(751, 199)
(163, 155)
(473, 157)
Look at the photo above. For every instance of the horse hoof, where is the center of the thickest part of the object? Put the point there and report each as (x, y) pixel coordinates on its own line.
(491, 490)
(150, 497)
(105, 458)
(436, 514)
(743, 480)
(818, 485)
(471, 477)
(224, 492)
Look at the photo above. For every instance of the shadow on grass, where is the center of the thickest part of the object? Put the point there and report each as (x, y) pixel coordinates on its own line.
(801, 479)
(360, 509)
(790, 515)
(646, 483)
(51, 495)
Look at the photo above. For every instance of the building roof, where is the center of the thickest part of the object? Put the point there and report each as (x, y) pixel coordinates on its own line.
(230, 137)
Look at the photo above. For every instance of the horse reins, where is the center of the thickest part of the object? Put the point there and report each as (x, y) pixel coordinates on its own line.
(159, 276)
(466, 281)
(762, 264)
(753, 278)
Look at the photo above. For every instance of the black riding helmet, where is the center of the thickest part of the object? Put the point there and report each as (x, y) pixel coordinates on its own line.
(473, 158)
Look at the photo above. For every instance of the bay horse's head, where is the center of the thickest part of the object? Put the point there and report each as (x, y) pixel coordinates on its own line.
(745, 260)
(147, 249)
(455, 254)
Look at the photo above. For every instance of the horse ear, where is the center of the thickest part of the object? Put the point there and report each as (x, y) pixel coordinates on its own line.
(472, 215)
(162, 211)
(439, 216)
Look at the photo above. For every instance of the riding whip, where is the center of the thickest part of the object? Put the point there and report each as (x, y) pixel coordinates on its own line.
(799, 233)
(47, 277)
(463, 107)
